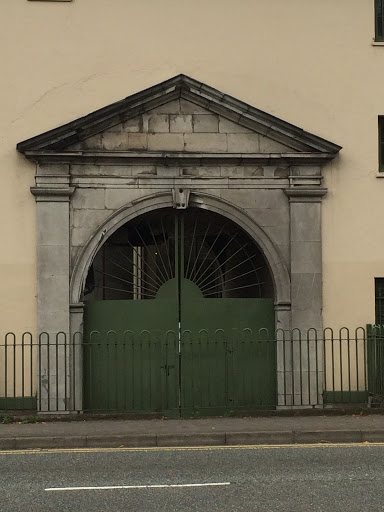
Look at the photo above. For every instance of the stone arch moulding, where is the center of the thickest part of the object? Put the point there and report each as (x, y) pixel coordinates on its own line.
(278, 268)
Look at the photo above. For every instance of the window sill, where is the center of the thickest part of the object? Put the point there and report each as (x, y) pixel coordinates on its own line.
(380, 174)
(377, 43)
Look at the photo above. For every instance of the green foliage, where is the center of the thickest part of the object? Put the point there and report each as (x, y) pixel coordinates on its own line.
(30, 419)
(6, 419)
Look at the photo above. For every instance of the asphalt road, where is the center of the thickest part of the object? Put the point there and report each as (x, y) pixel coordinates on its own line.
(332, 478)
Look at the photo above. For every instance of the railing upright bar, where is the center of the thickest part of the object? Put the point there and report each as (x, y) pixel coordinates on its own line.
(324, 365)
(284, 369)
(49, 370)
(357, 364)
(65, 374)
(333, 346)
(309, 368)
(133, 376)
(72, 371)
(292, 371)
(115, 373)
(6, 372)
(14, 369)
(141, 371)
(341, 366)
(22, 371)
(301, 368)
(39, 376)
(108, 373)
(57, 344)
(124, 361)
(317, 370)
(365, 347)
(349, 369)
(31, 355)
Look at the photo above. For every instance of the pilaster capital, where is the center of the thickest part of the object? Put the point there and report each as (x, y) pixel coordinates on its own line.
(77, 307)
(305, 195)
(283, 306)
(52, 194)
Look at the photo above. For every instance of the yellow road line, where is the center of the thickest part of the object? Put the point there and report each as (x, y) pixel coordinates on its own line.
(188, 448)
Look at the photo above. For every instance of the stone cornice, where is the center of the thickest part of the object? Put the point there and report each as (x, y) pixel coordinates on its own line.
(175, 158)
(305, 195)
(54, 195)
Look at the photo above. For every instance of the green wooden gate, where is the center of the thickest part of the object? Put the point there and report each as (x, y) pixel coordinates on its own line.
(193, 335)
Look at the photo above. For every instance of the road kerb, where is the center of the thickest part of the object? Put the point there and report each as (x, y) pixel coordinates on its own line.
(26, 443)
(8, 443)
(372, 436)
(244, 438)
(203, 439)
(285, 437)
(327, 436)
(125, 441)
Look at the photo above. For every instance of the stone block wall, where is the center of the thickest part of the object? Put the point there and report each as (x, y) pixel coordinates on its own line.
(181, 126)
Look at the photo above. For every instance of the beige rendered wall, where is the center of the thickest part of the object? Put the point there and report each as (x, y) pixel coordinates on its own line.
(309, 62)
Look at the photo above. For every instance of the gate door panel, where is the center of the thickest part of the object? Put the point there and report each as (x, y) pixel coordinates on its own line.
(175, 301)
(228, 354)
(131, 355)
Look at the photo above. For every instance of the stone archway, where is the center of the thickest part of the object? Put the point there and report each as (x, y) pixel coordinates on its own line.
(200, 200)
(160, 201)
(187, 290)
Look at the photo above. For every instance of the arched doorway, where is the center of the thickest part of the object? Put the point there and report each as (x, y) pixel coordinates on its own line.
(179, 318)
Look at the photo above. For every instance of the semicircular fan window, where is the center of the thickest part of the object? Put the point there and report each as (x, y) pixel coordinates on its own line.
(201, 246)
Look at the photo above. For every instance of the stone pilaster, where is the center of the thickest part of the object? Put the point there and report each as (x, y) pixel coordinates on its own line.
(52, 194)
(303, 352)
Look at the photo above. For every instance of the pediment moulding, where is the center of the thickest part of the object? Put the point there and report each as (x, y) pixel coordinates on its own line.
(206, 126)
(177, 159)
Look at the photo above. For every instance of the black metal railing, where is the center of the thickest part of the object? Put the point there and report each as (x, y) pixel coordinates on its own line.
(204, 371)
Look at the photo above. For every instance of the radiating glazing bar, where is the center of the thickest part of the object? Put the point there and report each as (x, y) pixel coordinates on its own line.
(158, 251)
(216, 257)
(231, 289)
(232, 279)
(124, 281)
(150, 255)
(198, 254)
(209, 251)
(134, 265)
(200, 282)
(121, 290)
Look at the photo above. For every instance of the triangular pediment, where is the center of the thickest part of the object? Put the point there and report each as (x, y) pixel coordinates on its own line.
(180, 115)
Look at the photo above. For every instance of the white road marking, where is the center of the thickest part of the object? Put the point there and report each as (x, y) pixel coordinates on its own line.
(157, 486)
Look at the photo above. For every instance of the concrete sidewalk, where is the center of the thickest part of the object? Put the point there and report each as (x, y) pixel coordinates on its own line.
(193, 432)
